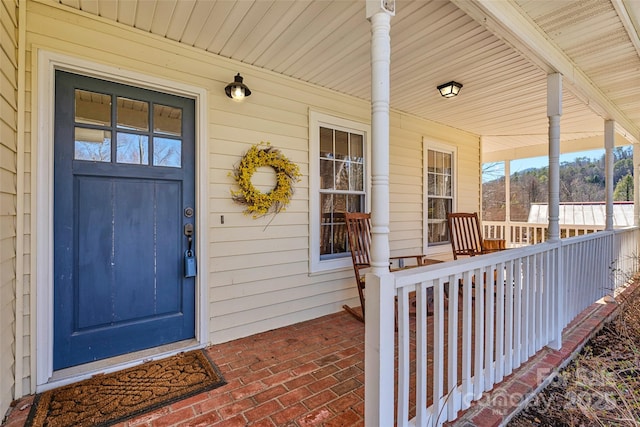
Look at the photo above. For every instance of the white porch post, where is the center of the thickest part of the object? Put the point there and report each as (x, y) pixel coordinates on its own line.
(380, 307)
(609, 137)
(554, 111)
(507, 195)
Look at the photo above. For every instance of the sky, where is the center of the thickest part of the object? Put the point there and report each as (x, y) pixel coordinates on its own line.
(538, 162)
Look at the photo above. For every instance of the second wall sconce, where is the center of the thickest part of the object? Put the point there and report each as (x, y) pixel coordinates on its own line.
(237, 90)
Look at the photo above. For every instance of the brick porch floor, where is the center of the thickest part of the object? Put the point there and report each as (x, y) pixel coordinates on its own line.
(312, 374)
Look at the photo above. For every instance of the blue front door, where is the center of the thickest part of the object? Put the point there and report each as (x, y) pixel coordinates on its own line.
(123, 194)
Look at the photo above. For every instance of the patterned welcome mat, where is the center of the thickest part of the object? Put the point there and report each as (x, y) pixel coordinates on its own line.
(106, 399)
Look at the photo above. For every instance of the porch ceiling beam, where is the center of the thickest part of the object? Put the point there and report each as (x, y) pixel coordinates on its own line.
(508, 22)
(540, 150)
(629, 13)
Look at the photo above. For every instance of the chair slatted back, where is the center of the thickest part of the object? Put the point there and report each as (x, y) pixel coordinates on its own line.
(465, 234)
(359, 232)
(359, 236)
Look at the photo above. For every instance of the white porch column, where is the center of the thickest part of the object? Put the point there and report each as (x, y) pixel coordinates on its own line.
(609, 137)
(554, 111)
(507, 190)
(379, 303)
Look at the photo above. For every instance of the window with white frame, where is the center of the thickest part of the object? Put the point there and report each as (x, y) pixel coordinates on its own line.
(338, 179)
(439, 164)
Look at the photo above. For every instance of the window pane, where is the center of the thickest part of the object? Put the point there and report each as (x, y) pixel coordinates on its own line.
(431, 184)
(326, 174)
(326, 142)
(440, 191)
(342, 175)
(326, 204)
(342, 145)
(437, 231)
(447, 164)
(167, 152)
(333, 234)
(355, 203)
(133, 114)
(167, 120)
(357, 177)
(133, 149)
(431, 161)
(357, 148)
(339, 203)
(92, 144)
(93, 108)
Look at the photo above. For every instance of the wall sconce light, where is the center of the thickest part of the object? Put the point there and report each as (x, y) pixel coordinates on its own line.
(449, 90)
(237, 90)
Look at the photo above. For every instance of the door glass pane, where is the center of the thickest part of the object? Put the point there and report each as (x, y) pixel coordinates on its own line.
(342, 145)
(132, 149)
(133, 114)
(93, 108)
(92, 144)
(167, 152)
(167, 120)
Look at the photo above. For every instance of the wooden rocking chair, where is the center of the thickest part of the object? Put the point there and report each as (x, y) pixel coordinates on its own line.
(466, 237)
(359, 235)
(465, 234)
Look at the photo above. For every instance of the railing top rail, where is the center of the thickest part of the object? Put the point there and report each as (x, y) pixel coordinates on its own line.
(544, 225)
(625, 229)
(586, 237)
(411, 276)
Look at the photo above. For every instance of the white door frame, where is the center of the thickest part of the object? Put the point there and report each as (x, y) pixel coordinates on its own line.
(46, 63)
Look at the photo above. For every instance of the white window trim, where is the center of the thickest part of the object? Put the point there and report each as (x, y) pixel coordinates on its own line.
(433, 144)
(317, 119)
(45, 64)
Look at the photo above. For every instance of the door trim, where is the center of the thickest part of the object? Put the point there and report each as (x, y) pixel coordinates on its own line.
(46, 63)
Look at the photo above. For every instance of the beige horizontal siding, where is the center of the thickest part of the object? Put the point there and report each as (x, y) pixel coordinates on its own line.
(258, 268)
(8, 198)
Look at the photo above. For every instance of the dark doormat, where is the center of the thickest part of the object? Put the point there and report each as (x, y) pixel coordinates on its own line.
(110, 398)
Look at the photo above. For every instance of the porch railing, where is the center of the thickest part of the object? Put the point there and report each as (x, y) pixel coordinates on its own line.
(495, 311)
(528, 233)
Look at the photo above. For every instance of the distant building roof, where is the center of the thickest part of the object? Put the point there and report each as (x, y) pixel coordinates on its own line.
(590, 213)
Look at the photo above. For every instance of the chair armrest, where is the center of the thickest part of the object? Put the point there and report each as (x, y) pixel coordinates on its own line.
(418, 258)
(421, 259)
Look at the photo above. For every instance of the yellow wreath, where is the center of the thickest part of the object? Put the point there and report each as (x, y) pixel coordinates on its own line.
(259, 203)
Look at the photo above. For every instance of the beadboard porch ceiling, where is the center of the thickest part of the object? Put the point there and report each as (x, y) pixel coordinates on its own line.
(500, 50)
